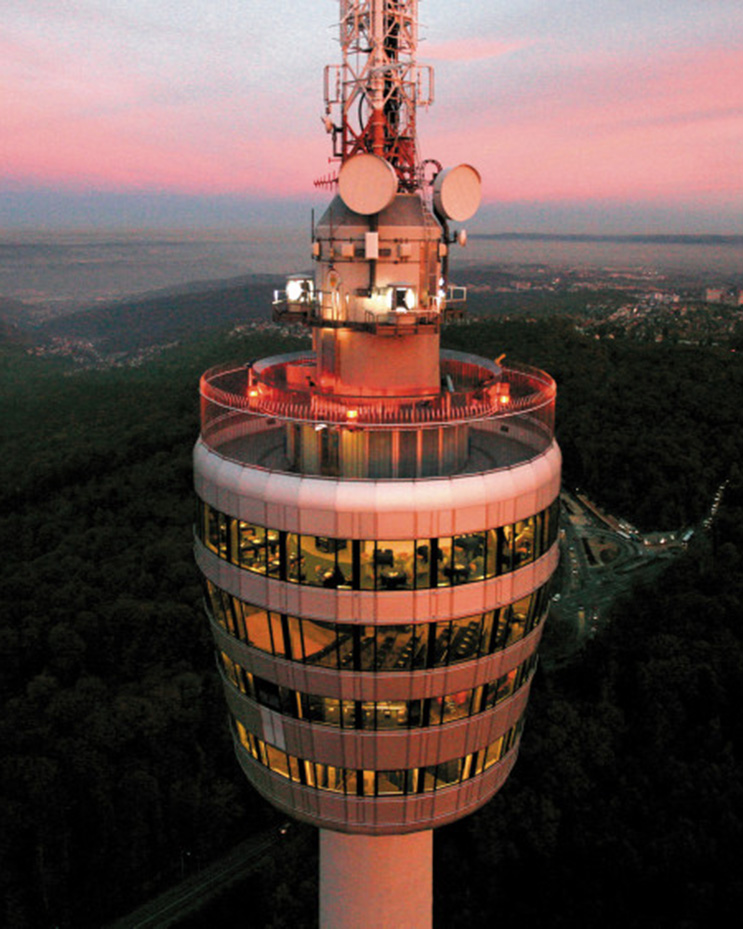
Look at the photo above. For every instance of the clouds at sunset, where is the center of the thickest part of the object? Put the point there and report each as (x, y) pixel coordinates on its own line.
(589, 102)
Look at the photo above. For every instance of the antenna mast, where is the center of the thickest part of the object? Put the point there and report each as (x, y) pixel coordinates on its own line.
(371, 98)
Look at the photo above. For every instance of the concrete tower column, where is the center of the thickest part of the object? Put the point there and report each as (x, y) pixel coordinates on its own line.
(376, 882)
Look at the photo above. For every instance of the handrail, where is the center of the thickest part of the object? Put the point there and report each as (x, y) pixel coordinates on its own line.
(480, 390)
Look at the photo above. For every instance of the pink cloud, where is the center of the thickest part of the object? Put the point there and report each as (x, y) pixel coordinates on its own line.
(664, 129)
(469, 49)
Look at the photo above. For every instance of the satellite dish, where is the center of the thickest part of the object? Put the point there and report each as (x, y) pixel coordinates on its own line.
(367, 184)
(457, 192)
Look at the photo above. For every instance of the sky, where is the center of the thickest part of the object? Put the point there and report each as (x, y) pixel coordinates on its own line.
(581, 115)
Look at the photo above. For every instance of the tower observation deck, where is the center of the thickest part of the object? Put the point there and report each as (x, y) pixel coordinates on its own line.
(377, 520)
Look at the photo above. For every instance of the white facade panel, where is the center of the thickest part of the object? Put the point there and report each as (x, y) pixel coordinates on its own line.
(378, 509)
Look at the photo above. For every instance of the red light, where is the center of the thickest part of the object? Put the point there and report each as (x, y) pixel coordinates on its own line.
(352, 414)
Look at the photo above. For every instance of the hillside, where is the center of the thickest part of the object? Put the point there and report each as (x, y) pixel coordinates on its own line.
(164, 317)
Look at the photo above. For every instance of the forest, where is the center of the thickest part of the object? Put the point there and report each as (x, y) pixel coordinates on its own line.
(116, 757)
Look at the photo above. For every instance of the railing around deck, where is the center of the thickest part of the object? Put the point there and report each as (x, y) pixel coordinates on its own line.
(514, 403)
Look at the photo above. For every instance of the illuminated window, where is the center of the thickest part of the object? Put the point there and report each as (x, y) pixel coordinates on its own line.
(391, 564)
(369, 783)
(524, 534)
(375, 715)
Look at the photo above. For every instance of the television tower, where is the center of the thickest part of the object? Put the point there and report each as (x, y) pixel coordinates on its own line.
(377, 520)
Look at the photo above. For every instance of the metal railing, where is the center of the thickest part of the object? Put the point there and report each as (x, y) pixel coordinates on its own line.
(474, 389)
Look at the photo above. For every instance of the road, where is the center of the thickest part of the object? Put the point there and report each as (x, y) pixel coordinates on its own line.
(599, 563)
(178, 902)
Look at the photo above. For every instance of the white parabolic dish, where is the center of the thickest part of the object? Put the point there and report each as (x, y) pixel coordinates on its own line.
(457, 192)
(367, 183)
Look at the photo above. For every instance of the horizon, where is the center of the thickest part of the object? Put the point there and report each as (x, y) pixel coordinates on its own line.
(607, 120)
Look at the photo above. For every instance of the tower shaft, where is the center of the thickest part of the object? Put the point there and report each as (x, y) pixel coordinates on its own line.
(376, 882)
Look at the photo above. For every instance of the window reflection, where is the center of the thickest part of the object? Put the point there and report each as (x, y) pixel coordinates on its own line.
(320, 643)
(374, 715)
(523, 542)
(394, 564)
(368, 783)
(394, 647)
(390, 565)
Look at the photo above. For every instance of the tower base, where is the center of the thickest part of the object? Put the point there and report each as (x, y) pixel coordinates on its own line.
(376, 882)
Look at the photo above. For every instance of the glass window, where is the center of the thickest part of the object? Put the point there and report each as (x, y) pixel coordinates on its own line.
(344, 554)
(391, 714)
(465, 639)
(441, 643)
(251, 541)
(235, 611)
(491, 553)
(329, 452)
(523, 543)
(395, 565)
(320, 643)
(367, 648)
(456, 706)
(214, 603)
(444, 564)
(391, 646)
(212, 538)
(415, 714)
(486, 627)
(435, 711)
(348, 714)
(469, 552)
(229, 668)
(380, 454)
(256, 624)
(505, 549)
(367, 783)
(501, 628)
(519, 613)
(390, 782)
(295, 564)
(407, 460)
(366, 565)
(350, 782)
(430, 456)
(467, 766)
(273, 552)
(277, 634)
(277, 760)
(448, 772)
(420, 637)
(321, 568)
(317, 709)
(493, 753)
(422, 565)
(268, 694)
(346, 637)
(506, 685)
(383, 564)
(294, 769)
(490, 693)
(429, 779)
(403, 651)
(294, 627)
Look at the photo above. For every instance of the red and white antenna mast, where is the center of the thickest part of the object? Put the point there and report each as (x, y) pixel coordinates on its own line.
(371, 98)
